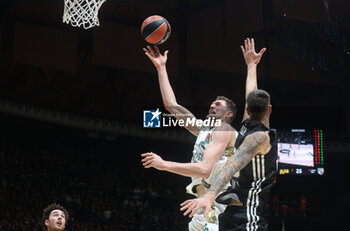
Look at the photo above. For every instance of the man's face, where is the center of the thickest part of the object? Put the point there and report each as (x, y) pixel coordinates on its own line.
(56, 221)
(218, 110)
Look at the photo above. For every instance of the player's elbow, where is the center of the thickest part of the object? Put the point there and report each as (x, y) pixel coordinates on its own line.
(170, 106)
(205, 171)
(206, 175)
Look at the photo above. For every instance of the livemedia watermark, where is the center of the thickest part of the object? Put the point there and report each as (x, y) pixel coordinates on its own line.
(157, 119)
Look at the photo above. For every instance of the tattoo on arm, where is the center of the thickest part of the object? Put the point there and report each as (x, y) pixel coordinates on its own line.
(244, 154)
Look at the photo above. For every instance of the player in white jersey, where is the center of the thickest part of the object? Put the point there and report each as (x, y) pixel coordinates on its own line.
(200, 185)
(213, 146)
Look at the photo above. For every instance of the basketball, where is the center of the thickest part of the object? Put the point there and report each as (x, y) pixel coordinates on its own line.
(155, 29)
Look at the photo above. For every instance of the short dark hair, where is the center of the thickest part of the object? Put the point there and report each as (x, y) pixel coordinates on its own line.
(258, 102)
(47, 211)
(231, 106)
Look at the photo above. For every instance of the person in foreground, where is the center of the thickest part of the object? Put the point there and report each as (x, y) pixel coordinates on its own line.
(255, 160)
(55, 218)
(213, 146)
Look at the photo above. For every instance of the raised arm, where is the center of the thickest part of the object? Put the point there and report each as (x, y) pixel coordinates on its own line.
(220, 141)
(252, 60)
(168, 96)
(256, 143)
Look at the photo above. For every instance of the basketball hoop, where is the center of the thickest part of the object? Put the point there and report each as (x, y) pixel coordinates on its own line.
(82, 12)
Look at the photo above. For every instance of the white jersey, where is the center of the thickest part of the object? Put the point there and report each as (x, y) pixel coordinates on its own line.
(199, 222)
(203, 138)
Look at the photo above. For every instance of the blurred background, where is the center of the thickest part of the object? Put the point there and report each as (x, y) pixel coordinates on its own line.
(72, 100)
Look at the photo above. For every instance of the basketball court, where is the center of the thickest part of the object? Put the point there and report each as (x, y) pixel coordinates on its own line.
(298, 154)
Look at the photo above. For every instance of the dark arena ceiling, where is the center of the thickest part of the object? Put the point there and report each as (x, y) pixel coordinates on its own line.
(103, 73)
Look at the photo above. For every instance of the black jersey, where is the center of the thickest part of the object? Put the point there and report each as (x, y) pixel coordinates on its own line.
(255, 179)
(259, 175)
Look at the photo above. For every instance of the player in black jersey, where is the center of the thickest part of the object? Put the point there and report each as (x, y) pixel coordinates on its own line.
(255, 159)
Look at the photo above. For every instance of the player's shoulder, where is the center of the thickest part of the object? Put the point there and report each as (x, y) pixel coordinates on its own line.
(260, 139)
(260, 136)
(224, 132)
(225, 127)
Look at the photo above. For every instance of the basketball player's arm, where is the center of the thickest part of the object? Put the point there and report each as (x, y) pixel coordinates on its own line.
(168, 96)
(256, 143)
(252, 60)
(212, 154)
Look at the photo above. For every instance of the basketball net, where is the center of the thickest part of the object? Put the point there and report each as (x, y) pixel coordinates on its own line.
(82, 12)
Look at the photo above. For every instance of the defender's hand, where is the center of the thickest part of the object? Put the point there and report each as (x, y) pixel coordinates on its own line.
(194, 205)
(249, 54)
(155, 56)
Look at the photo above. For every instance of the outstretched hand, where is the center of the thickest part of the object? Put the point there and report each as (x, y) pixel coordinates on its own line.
(151, 159)
(249, 54)
(194, 205)
(155, 56)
